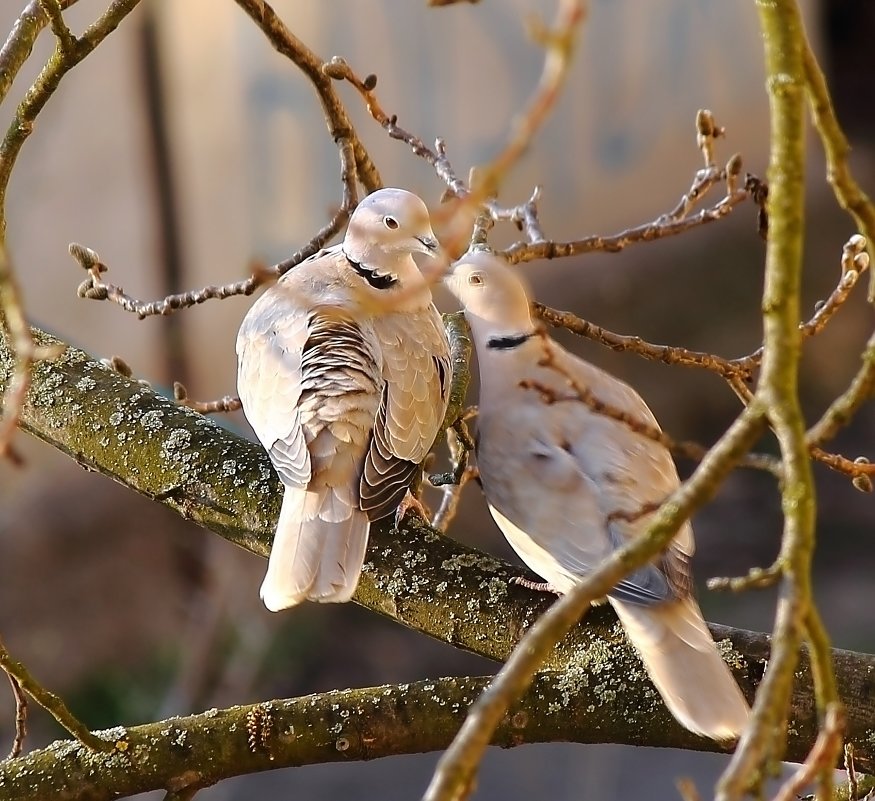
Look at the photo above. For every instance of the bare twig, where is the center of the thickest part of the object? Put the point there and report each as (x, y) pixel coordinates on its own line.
(836, 148)
(648, 232)
(94, 288)
(843, 408)
(51, 703)
(668, 354)
(525, 217)
(854, 262)
(579, 393)
(66, 41)
(12, 318)
(20, 717)
(460, 446)
(337, 120)
(676, 221)
(756, 578)
(821, 758)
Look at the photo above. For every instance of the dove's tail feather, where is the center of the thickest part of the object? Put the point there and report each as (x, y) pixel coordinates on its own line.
(682, 660)
(318, 550)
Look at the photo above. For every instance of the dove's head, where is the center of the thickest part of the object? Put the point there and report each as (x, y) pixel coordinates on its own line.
(494, 296)
(387, 227)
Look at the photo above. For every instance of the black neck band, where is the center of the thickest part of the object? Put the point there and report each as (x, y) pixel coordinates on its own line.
(370, 275)
(508, 342)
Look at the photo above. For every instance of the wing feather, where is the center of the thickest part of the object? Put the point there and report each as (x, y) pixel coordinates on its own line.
(412, 406)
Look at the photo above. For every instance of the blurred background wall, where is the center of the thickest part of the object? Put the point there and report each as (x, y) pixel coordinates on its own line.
(185, 148)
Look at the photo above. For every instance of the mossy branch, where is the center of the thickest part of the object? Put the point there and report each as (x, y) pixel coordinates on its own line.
(187, 753)
(425, 581)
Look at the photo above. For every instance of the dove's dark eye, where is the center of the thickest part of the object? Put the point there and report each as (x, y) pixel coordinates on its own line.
(390, 222)
(475, 279)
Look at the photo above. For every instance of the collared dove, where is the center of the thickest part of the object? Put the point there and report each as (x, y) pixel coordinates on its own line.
(344, 373)
(554, 475)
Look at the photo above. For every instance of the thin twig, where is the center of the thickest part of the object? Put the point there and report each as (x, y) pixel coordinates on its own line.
(20, 716)
(460, 446)
(525, 217)
(337, 120)
(51, 703)
(648, 232)
(579, 393)
(854, 262)
(66, 41)
(757, 578)
(837, 150)
(26, 354)
(667, 354)
(841, 411)
(95, 288)
(821, 758)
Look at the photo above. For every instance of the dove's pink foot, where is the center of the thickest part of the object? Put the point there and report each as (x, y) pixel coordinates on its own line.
(410, 502)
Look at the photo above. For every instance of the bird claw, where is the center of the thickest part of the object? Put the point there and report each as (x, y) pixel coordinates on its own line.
(537, 586)
(410, 501)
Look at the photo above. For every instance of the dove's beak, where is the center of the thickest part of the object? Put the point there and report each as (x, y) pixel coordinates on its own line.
(429, 244)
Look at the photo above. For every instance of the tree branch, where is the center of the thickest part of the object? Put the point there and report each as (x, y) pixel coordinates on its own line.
(114, 425)
(68, 53)
(49, 701)
(337, 120)
(184, 754)
(836, 148)
(796, 617)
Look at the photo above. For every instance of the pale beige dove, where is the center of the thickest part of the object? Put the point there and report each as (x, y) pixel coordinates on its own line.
(555, 475)
(344, 373)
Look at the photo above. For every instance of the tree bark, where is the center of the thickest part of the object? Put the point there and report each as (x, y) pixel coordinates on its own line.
(415, 576)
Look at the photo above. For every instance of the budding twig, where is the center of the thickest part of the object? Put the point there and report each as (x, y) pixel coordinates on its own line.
(228, 403)
(20, 717)
(51, 703)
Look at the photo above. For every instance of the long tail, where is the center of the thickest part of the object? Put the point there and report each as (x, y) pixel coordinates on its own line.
(318, 550)
(682, 660)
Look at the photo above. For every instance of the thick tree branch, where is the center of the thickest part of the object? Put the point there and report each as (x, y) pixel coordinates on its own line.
(150, 444)
(187, 753)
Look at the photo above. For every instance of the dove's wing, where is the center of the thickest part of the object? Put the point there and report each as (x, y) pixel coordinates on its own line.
(416, 368)
(270, 346)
